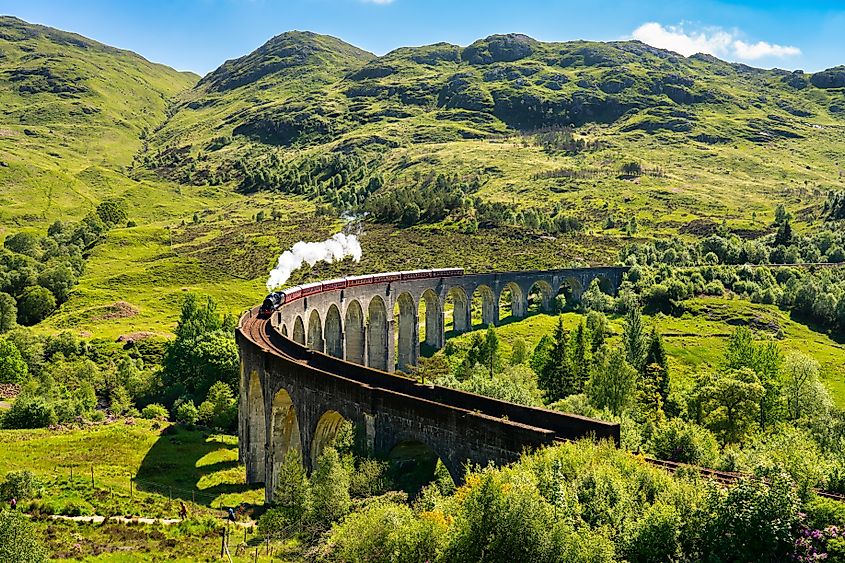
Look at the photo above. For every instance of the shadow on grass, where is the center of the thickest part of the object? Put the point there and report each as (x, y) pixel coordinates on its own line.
(182, 459)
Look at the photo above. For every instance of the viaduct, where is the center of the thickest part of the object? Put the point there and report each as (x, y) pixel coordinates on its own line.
(329, 357)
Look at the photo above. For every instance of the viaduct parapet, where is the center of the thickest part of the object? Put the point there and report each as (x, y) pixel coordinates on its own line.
(328, 356)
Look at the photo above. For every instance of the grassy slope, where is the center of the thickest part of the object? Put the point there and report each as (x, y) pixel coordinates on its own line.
(74, 114)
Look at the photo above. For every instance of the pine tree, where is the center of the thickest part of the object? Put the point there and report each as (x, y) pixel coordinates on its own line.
(556, 376)
(292, 494)
(491, 349)
(580, 357)
(636, 342)
(657, 356)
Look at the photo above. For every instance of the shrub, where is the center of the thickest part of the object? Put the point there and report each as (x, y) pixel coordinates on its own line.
(155, 411)
(387, 532)
(329, 489)
(30, 412)
(654, 538)
(686, 442)
(187, 413)
(19, 541)
(20, 485)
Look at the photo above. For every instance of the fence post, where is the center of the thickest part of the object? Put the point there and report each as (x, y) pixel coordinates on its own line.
(223, 543)
(131, 489)
(92, 477)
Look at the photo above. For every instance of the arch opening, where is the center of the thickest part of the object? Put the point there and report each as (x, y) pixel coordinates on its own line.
(354, 333)
(431, 323)
(456, 311)
(299, 331)
(285, 435)
(413, 465)
(540, 297)
(484, 307)
(605, 285)
(256, 427)
(329, 429)
(512, 304)
(334, 333)
(315, 332)
(377, 327)
(407, 340)
(569, 294)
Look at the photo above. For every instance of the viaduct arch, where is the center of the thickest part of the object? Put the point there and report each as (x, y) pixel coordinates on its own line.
(328, 356)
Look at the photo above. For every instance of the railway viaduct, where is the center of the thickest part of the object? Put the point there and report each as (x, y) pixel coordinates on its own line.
(328, 357)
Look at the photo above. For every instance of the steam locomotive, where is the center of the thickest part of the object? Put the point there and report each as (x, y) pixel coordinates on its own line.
(278, 298)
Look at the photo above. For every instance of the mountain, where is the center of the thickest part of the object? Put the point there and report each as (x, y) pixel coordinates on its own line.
(530, 123)
(74, 113)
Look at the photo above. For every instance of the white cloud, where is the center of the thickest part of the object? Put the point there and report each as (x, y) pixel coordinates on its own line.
(713, 41)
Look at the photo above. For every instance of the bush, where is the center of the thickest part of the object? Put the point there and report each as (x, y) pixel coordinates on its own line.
(19, 541)
(155, 411)
(20, 485)
(187, 413)
(30, 412)
(654, 538)
(329, 489)
(387, 532)
(369, 479)
(686, 442)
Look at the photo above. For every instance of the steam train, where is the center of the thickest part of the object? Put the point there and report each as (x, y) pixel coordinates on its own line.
(278, 298)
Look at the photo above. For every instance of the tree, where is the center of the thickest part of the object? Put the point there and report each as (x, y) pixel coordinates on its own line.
(187, 413)
(556, 377)
(784, 234)
(112, 213)
(59, 279)
(35, 304)
(19, 541)
(805, 394)
(731, 402)
(329, 489)
(656, 356)
(519, 352)
(594, 299)
(613, 381)
(224, 410)
(292, 495)
(8, 312)
(765, 360)
(491, 349)
(540, 354)
(13, 368)
(635, 340)
(599, 327)
(581, 356)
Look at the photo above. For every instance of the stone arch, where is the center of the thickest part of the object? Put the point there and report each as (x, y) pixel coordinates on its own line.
(413, 464)
(354, 333)
(299, 331)
(571, 289)
(334, 332)
(433, 320)
(324, 433)
(257, 430)
(484, 306)
(407, 339)
(512, 300)
(605, 284)
(540, 296)
(285, 435)
(377, 327)
(315, 332)
(457, 301)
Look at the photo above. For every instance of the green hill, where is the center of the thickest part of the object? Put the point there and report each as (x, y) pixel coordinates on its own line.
(543, 124)
(75, 112)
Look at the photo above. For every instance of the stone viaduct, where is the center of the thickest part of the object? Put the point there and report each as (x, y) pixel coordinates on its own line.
(327, 356)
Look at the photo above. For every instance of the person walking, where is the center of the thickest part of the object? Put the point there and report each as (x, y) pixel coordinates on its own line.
(183, 510)
(13, 504)
(231, 517)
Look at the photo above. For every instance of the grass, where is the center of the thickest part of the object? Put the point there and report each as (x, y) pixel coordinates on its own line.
(169, 464)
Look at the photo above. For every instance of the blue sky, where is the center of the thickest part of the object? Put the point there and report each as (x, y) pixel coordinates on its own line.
(198, 35)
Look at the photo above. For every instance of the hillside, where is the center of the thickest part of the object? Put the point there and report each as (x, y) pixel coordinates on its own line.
(505, 145)
(74, 115)
(523, 123)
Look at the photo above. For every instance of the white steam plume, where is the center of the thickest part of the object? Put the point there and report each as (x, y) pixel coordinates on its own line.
(336, 248)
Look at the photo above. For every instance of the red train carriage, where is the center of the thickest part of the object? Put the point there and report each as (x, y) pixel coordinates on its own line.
(311, 288)
(353, 281)
(386, 277)
(334, 284)
(293, 294)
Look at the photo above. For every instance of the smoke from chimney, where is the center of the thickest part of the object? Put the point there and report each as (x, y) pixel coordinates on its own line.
(331, 250)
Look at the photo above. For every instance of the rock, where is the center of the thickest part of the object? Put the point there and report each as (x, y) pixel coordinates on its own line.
(830, 78)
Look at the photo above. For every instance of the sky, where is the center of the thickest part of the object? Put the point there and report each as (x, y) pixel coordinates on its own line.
(198, 35)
